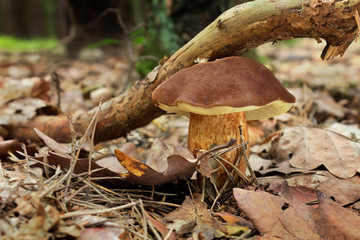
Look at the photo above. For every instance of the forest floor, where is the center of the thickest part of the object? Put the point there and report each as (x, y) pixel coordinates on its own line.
(314, 147)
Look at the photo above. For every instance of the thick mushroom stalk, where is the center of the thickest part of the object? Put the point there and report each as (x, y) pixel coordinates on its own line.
(206, 130)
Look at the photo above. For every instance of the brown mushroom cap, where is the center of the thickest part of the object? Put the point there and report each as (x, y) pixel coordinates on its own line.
(232, 84)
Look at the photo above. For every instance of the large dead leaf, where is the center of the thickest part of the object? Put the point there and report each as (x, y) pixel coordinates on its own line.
(13, 146)
(310, 147)
(288, 217)
(125, 169)
(272, 215)
(343, 191)
(178, 167)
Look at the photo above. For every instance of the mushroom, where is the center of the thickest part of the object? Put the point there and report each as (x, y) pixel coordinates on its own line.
(220, 96)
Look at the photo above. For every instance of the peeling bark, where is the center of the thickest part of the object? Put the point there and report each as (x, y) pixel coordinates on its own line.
(234, 32)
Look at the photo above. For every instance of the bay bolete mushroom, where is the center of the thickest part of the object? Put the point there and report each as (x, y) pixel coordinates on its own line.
(220, 96)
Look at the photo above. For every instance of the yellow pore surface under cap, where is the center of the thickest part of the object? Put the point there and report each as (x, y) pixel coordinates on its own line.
(252, 112)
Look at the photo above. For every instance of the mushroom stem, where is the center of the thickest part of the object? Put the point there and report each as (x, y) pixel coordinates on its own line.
(206, 130)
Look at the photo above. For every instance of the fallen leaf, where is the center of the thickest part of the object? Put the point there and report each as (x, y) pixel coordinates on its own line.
(330, 219)
(301, 146)
(273, 215)
(38, 226)
(101, 233)
(160, 227)
(35, 87)
(13, 146)
(140, 173)
(157, 158)
(193, 216)
(123, 169)
(326, 104)
(343, 191)
(288, 217)
(129, 148)
(20, 110)
(231, 218)
(52, 144)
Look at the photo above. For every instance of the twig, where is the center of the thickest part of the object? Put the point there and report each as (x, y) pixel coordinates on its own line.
(73, 154)
(72, 32)
(88, 212)
(26, 157)
(145, 216)
(76, 192)
(215, 201)
(56, 80)
(144, 221)
(100, 193)
(162, 203)
(253, 176)
(169, 232)
(243, 176)
(2, 172)
(226, 145)
(96, 117)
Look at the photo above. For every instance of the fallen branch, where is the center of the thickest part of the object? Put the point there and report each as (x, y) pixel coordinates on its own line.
(234, 32)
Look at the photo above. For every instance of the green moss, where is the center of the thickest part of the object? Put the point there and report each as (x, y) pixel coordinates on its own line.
(12, 44)
(143, 67)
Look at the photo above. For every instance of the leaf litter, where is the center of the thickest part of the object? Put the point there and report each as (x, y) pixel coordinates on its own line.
(49, 206)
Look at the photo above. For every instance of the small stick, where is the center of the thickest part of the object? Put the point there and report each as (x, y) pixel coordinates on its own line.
(96, 116)
(76, 192)
(146, 215)
(169, 232)
(2, 172)
(68, 175)
(226, 145)
(97, 211)
(56, 80)
(253, 176)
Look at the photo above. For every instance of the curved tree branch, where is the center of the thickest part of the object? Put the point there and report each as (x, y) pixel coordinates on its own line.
(234, 32)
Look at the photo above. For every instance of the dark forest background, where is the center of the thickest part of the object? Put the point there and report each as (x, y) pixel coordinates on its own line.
(165, 24)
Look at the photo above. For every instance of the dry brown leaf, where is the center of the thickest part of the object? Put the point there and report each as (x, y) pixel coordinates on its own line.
(273, 215)
(288, 217)
(161, 227)
(310, 147)
(129, 148)
(13, 146)
(231, 218)
(20, 110)
(193, 216)
(82, 166)
(102, 233)
(343, 191)
(157, 158)
(34, 87)
(52, 144)
(178, 167)
(326, 104)
(330, 220)
(128, 169)
(38, 226)
(266, 237)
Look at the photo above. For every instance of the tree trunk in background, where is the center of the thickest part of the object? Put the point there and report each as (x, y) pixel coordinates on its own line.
(35, 18)
(90, 27)
(24, 18)
(184, 13)
(13, 18)
(62, 21)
